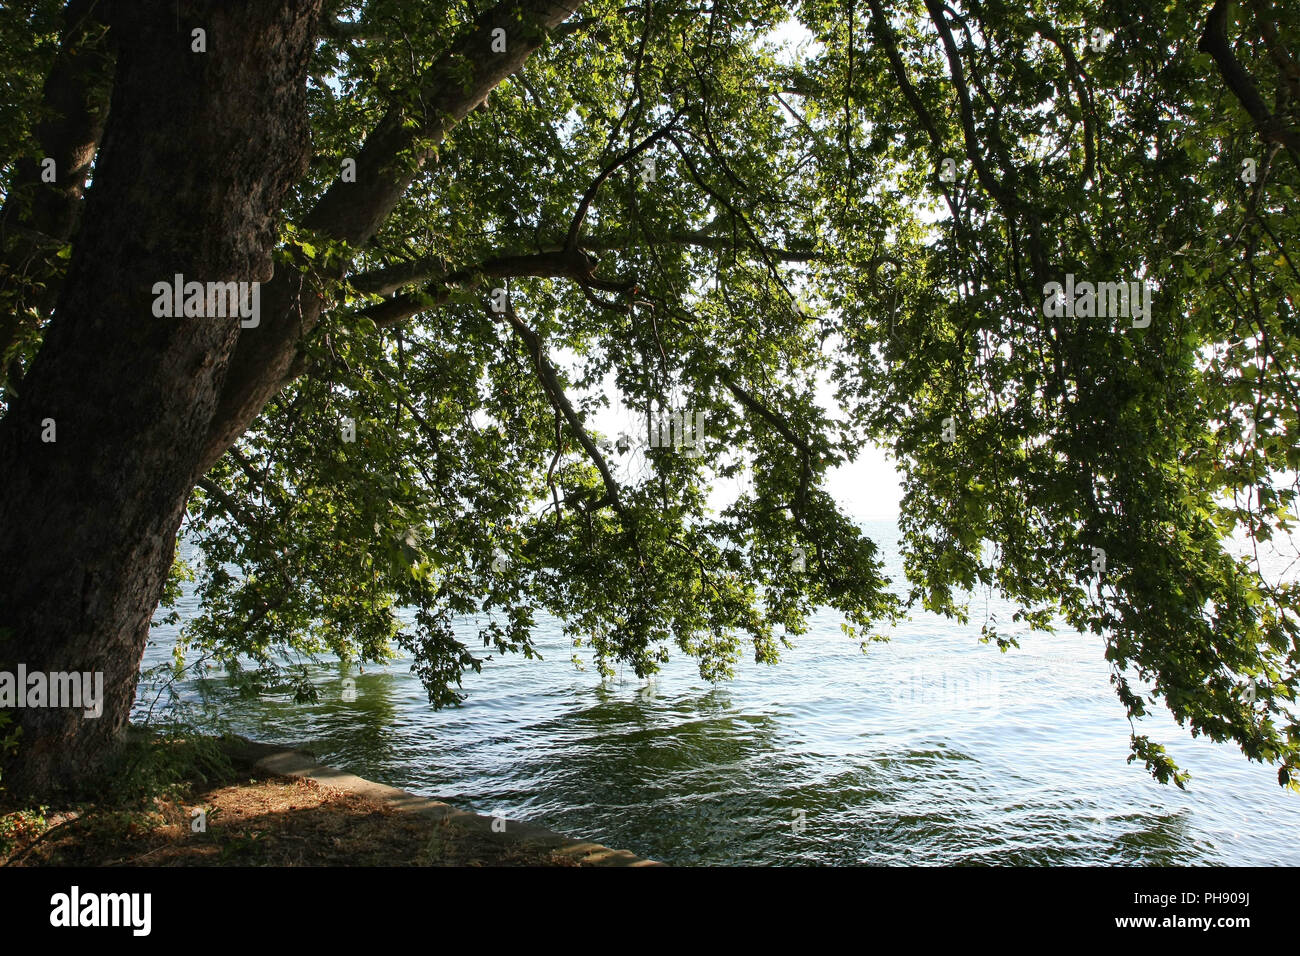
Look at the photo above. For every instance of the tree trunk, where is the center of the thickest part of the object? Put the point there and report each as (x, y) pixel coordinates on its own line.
(199, 151)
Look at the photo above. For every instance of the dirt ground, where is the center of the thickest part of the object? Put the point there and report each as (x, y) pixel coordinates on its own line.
(252, 818)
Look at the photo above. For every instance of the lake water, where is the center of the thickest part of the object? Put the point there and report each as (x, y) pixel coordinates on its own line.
(930, 749)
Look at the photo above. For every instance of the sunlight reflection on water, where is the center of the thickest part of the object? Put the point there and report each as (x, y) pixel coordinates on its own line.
(930, 749)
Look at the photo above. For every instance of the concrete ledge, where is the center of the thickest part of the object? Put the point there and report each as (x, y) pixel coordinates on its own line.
(296, 763)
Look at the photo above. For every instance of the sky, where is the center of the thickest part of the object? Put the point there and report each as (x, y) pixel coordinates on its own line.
(867, 489)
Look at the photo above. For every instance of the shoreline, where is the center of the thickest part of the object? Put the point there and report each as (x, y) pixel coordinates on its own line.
(291, 762)
(198, 801)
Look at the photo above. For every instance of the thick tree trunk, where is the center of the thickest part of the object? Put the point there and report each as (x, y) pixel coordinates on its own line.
(198, 153)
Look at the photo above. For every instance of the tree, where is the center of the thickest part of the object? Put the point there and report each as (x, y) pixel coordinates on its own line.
(508, 215)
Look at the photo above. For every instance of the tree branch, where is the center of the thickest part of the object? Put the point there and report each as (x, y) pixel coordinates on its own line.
(571, 241)
(562, 264)
(397, 148)
(39, 217)
(555, 390)
(266, 358)
(389, 279)
(1214, 41)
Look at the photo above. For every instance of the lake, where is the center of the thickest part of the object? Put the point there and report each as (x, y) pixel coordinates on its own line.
(930, 749)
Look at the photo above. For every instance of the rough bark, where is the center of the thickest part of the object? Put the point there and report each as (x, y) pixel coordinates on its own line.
(197, 155)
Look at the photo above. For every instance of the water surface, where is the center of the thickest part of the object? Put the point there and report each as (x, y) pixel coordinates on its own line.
(930, 749)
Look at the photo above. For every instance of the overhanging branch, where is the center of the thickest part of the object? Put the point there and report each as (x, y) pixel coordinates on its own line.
(456, 83)
(1214, 41)
(563, 264)
(555, 391)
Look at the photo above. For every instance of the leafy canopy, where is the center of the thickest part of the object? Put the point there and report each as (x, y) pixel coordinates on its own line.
(800, 226)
